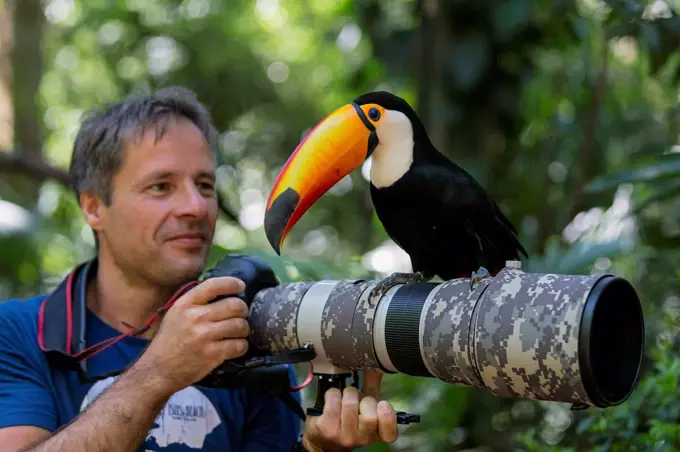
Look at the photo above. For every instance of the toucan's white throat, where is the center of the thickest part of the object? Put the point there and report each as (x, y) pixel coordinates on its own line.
(393, 156)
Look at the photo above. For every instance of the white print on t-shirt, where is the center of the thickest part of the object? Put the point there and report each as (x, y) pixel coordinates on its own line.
(187, 418)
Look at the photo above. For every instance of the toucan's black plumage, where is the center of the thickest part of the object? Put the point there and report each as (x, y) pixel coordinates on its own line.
(431, 207)
(438, 213)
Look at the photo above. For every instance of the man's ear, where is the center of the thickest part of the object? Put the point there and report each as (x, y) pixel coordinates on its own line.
(93, 210)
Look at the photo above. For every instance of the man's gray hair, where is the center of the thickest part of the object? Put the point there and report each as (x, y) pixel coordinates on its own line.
(98, 149)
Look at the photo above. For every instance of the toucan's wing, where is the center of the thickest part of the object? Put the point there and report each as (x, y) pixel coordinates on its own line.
(459, 199)
(446, 222)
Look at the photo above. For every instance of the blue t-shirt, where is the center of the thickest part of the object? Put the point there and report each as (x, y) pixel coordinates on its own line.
(194, 419)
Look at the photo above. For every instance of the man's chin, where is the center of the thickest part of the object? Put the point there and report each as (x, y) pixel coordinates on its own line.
(185, 268)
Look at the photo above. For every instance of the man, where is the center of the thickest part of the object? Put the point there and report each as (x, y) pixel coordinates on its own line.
(144, 173)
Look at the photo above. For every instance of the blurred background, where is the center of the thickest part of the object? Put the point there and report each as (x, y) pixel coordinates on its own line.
(568, 112)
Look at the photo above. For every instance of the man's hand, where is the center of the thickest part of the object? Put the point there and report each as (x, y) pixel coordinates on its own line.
(195, 337)
(352, 419)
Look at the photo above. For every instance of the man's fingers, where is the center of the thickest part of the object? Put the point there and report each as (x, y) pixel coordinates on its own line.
(234, 328)
(226, 308)
(211, 288)
(350, 413)
(387, 422)
(368, 420)
(332, 406)
(327, 426)
(232, 348)
(350, 420)
(208, 315)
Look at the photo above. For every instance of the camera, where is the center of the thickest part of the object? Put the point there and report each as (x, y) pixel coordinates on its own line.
(257, 368)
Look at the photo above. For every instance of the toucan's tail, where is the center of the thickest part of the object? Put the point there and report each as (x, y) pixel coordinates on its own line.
(499, 242)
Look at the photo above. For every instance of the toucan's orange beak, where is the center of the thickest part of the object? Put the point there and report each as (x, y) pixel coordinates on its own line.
(335, 147)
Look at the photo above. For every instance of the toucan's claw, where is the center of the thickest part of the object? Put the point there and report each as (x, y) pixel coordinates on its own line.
(396, 278)
(477, 276)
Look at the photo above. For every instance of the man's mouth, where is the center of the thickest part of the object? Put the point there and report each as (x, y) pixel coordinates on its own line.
(189, 240)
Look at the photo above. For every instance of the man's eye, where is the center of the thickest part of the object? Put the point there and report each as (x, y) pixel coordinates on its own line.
(207, 186)
(162, 186)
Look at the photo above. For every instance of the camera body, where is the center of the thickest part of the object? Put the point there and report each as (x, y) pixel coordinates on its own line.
(254, 272)
(257, 368)
(256, 275)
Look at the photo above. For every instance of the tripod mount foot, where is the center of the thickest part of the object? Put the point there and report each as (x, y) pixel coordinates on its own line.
(327, 381)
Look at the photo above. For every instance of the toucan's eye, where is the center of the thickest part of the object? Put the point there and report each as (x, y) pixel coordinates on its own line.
(374, 114)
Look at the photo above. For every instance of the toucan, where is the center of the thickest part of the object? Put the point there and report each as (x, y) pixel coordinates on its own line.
(429, 206)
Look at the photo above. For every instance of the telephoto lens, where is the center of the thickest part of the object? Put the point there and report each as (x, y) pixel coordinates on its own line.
(563, 338)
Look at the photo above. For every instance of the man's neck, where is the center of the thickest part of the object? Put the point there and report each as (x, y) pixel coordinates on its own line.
(117, 300)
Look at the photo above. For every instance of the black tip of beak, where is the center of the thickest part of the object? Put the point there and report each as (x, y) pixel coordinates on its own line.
(277, 217)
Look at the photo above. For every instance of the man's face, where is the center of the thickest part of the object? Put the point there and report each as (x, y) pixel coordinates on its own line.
(161, 220)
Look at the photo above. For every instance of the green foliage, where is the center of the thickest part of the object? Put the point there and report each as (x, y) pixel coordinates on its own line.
(665, 167)
(567, 111)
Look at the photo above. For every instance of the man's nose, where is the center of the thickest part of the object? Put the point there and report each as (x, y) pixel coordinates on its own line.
(192, 202)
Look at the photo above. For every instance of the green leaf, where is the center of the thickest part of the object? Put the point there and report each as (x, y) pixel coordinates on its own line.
(664, 193)
(578, 258)
(668, 167)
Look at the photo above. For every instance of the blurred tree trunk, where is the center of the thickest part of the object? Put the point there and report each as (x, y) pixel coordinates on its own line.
(27, 66)
(589, 159)
(430, 78)
(23, 60)
(6, 117)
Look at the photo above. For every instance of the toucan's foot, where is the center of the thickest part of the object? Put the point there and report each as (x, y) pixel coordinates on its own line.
(477, 276)
(396, 278)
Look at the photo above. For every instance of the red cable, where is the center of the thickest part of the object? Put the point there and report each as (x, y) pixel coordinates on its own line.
(134, 332)
(109, 342)
(308, 379)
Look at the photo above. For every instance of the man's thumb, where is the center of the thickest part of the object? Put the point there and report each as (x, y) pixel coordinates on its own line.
(372, 380)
